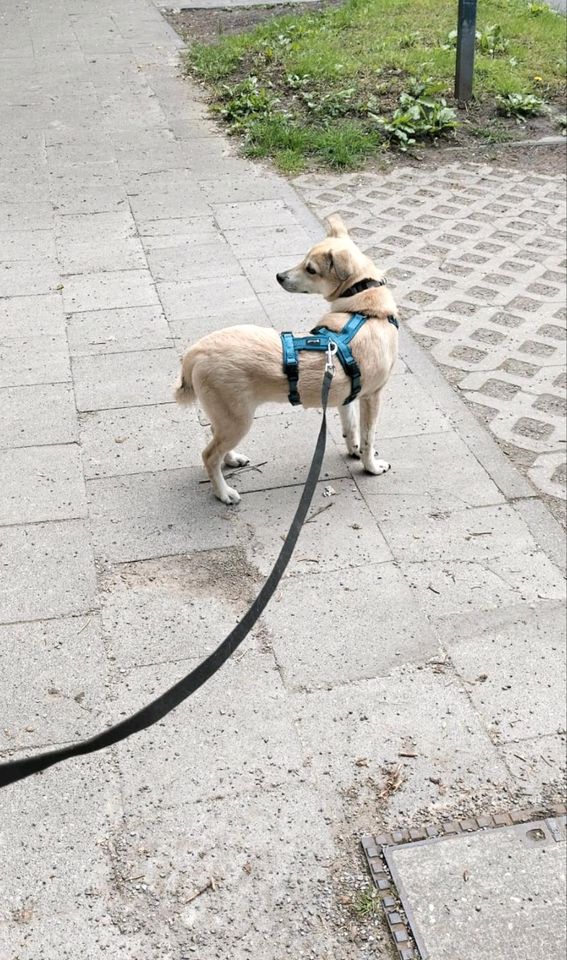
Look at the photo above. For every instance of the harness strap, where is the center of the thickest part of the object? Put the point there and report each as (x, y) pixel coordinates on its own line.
(291, 366)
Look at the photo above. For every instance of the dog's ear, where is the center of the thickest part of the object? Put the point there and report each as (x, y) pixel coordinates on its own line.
(336, 227)
(340, 262)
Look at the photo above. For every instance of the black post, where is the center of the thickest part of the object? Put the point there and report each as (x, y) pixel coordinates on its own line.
(466, 33)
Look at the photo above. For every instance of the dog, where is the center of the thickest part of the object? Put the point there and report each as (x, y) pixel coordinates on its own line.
(232, 371)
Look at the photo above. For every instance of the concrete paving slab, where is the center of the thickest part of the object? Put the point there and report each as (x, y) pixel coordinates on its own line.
(182, 262)
(161, 437)
(538, 764)
(516, 703)
(455, 479)
(34, 360)
(190, 329)
(484, 533)
(344, 535)
(54, 691)
(175, 608)
(379, 722)
(158, 514)
(171, 231)
(107, 291)
(56, 852)
(315, 638)
(114, 380)
(41, 483)
(168, 193)
(98, 242)
(47, 571)
(251, 241)
(451, 590)
(20, 278)
(35, 415)
(493, 893)
(254, 213)
(26, 216)
(117, 331)
(195, 750)
(201, 297)
(273, 849)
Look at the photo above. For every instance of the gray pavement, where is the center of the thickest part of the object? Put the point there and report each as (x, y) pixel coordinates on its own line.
(410, 665)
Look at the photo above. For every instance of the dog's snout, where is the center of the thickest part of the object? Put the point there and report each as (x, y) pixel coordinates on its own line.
(280, 277)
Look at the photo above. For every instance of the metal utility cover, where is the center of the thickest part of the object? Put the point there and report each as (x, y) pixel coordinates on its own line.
(493, 893)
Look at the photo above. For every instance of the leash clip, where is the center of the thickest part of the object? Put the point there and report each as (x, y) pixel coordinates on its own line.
(330, 353)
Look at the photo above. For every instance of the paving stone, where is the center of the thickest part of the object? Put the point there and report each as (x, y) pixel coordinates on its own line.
(27, 245)
(98, 242)
(26, 216)
(158, 514)
(40, 414)
(22, 278)
(87, 188)
(319, 641)
(135, 439)
(538, 764)
(465, 535)
(54, 690)
(41, 483)
(343, 533)
(273, 847)
(191, 231)
(47, 571)
(431, 475)
(62, 817)
(254, 213)
(192, 262)
(453, 588)
(516, 703)
(106, 291)
(379, 720)
(175, 608)
(248, 242)
(32, 316)
(34, 360)
(169, 193)
(200, 298)
(124, 379)
(194, 747)
(117, 331)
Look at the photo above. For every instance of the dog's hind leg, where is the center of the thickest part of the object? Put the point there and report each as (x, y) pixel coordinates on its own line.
(369, 410)
(229, 427)
(235, 459)
(351, 432)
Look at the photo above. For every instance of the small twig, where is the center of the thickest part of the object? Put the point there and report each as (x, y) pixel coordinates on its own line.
(320, 510)
(132, 879)
(84, 627)
(210, 885)
(238, 470)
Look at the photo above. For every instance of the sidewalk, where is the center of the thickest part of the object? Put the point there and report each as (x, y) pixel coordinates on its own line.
(409, 667)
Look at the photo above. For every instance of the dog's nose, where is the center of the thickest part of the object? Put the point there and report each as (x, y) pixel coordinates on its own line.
(280, 277)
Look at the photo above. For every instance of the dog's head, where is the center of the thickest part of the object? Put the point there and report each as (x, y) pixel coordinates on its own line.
(331, 266)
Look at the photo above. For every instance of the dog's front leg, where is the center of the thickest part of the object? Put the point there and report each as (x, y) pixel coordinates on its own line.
(369, 410)
(351, 432)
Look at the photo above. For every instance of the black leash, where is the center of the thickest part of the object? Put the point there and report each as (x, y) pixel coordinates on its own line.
(16, 770)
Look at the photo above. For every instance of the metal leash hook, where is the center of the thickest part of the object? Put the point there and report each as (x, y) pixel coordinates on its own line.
(330, 353)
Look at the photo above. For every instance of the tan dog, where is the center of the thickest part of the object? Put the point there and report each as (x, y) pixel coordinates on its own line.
(232, 371)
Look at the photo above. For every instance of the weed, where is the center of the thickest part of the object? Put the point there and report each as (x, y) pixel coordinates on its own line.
(419, 116)
(490, 41)
(519, 105)
(536, 9)
(367, 902)
(244, 102)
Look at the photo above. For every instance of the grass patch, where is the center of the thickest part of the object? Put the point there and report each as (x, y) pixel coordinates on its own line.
(335, 87)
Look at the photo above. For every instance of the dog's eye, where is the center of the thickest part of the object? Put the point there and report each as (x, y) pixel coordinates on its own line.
(310, 269)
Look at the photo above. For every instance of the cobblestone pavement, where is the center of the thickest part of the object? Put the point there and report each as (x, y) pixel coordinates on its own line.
(478, 255)
(409, 667)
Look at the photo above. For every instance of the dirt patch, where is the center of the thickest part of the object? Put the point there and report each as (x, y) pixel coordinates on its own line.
(225, 574)
(206, 26)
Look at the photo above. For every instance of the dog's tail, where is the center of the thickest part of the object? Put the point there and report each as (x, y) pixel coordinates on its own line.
(184, 392)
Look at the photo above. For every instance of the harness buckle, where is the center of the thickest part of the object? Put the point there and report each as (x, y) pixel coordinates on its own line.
(330, 353)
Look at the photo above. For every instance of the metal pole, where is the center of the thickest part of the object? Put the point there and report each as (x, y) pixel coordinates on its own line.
(466, 32)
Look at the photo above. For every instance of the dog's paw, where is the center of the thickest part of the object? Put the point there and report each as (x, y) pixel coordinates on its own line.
(234, 459)
(354, 452)
(376, 466)
(229, 496)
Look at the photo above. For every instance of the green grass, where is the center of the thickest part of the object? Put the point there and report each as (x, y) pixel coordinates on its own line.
(321, 80)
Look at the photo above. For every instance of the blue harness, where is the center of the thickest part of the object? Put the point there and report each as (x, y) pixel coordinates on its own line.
(320, 339)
